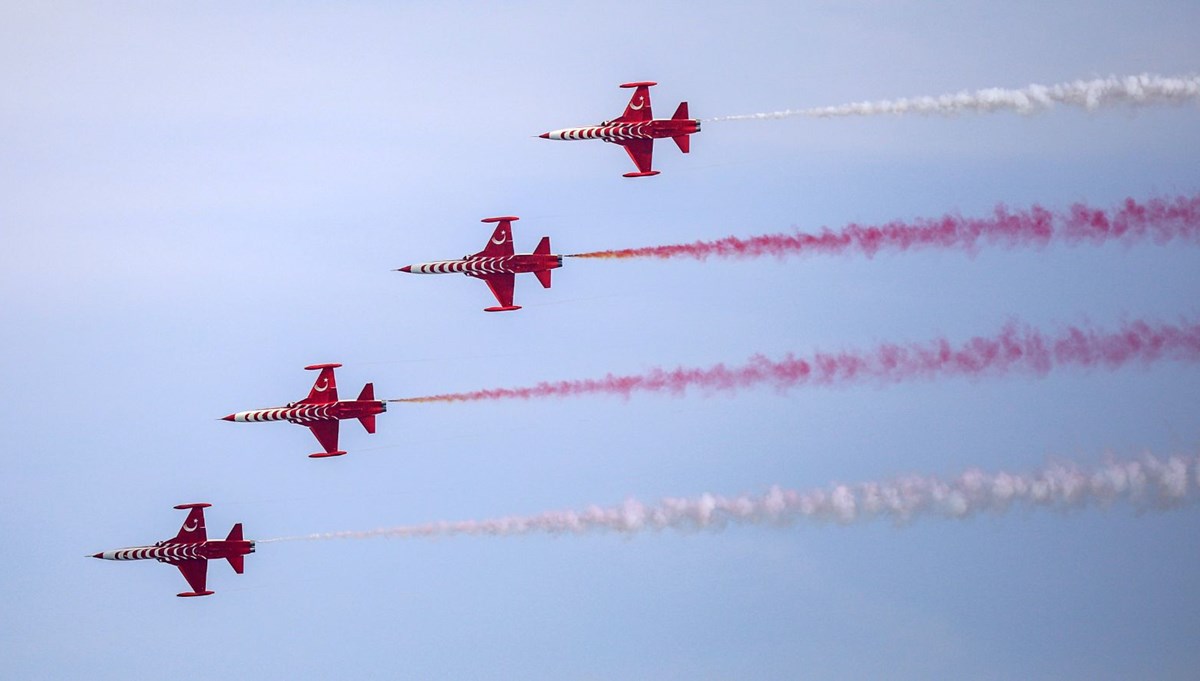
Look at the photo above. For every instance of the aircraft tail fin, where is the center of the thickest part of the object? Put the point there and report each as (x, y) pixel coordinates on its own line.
(543, 247)
(682, 141)
(368, 393)
(368, 422)
(238, 563)
(235, 533)
(543, 277)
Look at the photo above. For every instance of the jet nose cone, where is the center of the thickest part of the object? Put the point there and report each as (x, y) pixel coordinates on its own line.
(406, 268)
(545, 135)
(229, 418)
(97, 555)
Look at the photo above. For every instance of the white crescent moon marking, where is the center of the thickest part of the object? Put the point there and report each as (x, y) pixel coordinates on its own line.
(503, 238)
(639, 105)
(192, 528)
(321, 388)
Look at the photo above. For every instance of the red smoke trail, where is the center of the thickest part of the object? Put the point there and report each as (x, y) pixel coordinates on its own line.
(1016, 349)
(1159, 220)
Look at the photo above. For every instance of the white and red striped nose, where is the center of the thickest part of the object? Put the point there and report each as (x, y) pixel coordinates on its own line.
(425, 268)
(564, 134)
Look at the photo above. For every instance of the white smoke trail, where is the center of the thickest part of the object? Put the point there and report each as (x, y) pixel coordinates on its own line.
(1142, 90)
(1148, 481)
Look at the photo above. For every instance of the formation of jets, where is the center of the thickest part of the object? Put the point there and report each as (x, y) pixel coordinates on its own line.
(497, 265)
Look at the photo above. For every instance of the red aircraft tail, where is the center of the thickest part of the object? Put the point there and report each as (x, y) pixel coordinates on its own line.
(682, 141)
(638, 109)
(543, 248)
(368, 423)
(368, 393)
(238, 562)
(324, 389)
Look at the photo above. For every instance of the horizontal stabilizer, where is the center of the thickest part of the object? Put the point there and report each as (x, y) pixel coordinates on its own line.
(235, 534)
(544, 277)
(368, 393)
(681, 114)
(684, 142)
(543, 247)
(238, 563)
(368, 422)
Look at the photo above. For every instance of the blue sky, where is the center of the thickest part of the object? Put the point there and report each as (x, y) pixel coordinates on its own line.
(199, 201)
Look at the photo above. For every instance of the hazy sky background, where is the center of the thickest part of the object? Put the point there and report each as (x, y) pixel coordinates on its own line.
(198, 200)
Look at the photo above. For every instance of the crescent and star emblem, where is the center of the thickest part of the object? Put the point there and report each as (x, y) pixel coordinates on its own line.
(191, 527)
(640, 103)
(503, 238)
(321, 386)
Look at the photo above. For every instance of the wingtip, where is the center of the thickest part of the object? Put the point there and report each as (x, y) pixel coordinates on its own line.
(326, 455)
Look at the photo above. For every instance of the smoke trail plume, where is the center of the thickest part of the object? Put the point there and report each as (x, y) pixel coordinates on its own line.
(1016, 349)
(1141, 90)
(1147, 482)
(1159, 220)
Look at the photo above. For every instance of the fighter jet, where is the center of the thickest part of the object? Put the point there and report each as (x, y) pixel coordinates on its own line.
(637, 129)
(190, 550)
(497, 265)
(322, 410)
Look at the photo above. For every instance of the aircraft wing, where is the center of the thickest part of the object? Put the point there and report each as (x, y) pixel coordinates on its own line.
(501, 243)
(638, 109)
(326, 433)
(324, 389)
(193, 527)
(641, 152)
(195, 571)
(502, 287)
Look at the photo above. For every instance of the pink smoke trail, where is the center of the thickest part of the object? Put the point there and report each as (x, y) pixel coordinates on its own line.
(1159, 220)
(1145, 482)
(1016, 349)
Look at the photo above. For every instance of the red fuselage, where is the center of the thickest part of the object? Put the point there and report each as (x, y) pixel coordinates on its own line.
(480, 265)
(304, 414)
(657, 128)
(171, 551)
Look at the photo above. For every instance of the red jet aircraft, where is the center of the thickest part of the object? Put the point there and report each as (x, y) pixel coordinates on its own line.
(497, 265)
(637, 129)
(322, 410)
(190, 550)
